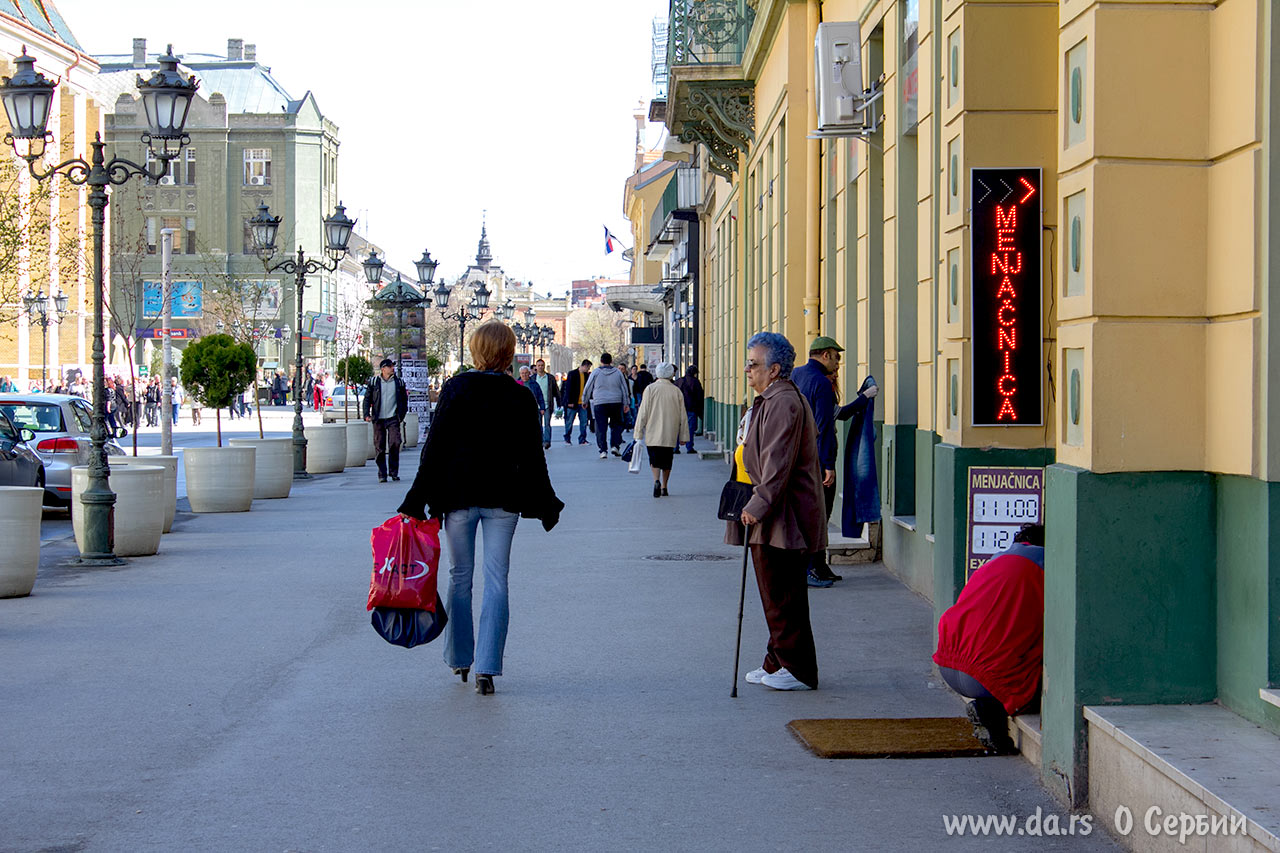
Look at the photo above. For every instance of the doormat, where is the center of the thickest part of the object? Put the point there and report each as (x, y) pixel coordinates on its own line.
(922, 737)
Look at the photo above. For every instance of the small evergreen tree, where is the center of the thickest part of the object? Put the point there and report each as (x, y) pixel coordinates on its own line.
(216, 370)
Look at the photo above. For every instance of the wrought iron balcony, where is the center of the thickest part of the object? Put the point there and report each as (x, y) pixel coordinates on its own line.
(709, 32)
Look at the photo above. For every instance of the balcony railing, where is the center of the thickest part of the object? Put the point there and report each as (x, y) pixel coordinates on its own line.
(709, 32)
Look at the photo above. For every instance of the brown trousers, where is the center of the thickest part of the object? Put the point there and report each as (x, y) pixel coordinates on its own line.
(784, 592)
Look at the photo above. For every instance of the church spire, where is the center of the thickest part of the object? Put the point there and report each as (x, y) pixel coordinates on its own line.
(484, 256)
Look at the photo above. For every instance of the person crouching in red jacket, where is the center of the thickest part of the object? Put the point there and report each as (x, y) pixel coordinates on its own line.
(991, 641)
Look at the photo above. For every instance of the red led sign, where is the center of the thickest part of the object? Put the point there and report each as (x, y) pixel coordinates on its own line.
(1005, 298)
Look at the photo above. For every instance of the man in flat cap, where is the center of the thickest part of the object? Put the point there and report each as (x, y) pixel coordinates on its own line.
(386, 402)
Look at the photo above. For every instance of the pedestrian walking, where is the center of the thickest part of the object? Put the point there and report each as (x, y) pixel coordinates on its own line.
(641, 379)
(661, 424)
(109, 404)
(152, 398)
(694, 397)
(572, 402)
(526, 379)
(482, 467)
(176, 398)
(550, 394)
(608, 396)
(783, 519)
(386, 402)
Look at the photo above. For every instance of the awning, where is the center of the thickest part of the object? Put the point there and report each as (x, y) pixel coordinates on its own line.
(635, 297)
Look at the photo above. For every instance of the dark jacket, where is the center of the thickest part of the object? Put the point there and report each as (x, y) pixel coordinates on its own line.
(537, 392)
(861, 502)
(484, 449)
(553, 391)
(693, 393)
(813, 381)
(372, 406)
(572, 388)
(643, 380)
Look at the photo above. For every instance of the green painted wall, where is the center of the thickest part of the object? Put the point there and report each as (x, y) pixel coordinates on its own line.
(1248, 577)
(1130, 613)
(898, 492)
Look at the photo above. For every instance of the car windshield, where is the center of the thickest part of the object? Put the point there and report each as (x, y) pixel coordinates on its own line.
(37, 417)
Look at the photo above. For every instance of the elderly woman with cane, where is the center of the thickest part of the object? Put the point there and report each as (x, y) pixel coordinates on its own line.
(784, 520)
(661, 425)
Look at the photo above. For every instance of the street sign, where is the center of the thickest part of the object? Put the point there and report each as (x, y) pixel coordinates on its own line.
(143, 370)
(1005, 298)
(1001, 500)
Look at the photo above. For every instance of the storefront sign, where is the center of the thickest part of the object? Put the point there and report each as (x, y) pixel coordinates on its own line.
(1001, 500)
(1005, 298)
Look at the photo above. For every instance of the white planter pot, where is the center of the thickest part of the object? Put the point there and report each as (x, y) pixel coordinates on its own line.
(326, 448)
(20, 515)
(272, 467)
(411, 429)
(219, 479)
(170, 465)
(357, 453)
(368, 441)
(139, 509)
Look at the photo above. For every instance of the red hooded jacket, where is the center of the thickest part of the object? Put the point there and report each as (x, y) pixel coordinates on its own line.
(995, 631)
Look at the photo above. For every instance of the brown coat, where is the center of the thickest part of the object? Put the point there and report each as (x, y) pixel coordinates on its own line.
(781, 457)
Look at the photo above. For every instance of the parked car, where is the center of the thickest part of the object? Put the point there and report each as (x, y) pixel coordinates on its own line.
(60, 425)
(19, 464)
(336, 401)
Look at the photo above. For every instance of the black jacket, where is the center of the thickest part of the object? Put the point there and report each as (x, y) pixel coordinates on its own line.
(553, 390)
(572, 388)
(484, 449)
(642, 381)
(374, 392)
(693, 393)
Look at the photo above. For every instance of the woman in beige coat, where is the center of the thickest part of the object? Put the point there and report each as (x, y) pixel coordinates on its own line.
(661, 425)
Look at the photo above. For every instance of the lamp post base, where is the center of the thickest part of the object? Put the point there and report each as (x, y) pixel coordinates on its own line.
(94, 561)
(302, 475)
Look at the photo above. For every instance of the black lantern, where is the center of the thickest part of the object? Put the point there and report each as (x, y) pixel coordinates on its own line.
(508, 309)
(426, 268)
(442, 294)
(264, 227)
(482, 295)
(27, 96)
(337, 232)
(373, 267)
(166, 97)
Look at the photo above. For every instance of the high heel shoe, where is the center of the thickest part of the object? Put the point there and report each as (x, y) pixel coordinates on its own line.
(462, 671)
(484, 684)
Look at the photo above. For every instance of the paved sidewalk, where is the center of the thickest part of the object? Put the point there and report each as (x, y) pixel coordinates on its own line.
(229, 694)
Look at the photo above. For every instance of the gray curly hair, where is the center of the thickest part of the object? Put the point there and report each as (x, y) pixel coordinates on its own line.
(664, 370)
(779, 351)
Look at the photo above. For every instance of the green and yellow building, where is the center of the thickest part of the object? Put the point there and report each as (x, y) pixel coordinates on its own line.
(1155, 418)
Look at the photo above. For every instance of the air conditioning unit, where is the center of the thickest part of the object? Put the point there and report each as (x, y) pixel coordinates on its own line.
(257, 180)
(844, 106)
(166, 181)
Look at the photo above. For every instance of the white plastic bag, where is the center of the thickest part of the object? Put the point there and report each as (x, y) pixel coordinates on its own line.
(634, 467)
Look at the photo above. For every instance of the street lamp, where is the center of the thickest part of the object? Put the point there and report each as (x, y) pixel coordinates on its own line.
(38, 311)
(166, 99)
(467, 312)
(398, 296)
(337, 234)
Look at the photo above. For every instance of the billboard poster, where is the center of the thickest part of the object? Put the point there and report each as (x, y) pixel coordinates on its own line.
(417, 382)
(187, 299)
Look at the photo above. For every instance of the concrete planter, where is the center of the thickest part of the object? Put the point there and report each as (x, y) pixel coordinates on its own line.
(272, 467)
(219, 479)
(411, 429)
(357, 453)
(20, 512)
(326, 449)
(139, 510)
(368, 441)
(170, 465)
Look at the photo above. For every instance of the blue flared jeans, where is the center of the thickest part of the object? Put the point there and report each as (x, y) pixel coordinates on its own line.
(463, 644)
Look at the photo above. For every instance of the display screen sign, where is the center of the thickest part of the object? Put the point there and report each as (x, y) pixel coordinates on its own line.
(1006, 298)
(1001, 500)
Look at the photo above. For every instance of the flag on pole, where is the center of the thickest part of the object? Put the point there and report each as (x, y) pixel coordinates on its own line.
(611, 243)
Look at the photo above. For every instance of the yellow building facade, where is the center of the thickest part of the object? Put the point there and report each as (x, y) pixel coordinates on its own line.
(1144, 132)
(45, 233)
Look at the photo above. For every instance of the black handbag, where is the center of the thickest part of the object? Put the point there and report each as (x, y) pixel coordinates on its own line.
(733, 497)
(629, 451)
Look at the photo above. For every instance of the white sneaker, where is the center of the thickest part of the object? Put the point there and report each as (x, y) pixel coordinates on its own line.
(604, 455)
(783, 680)
(756, 676)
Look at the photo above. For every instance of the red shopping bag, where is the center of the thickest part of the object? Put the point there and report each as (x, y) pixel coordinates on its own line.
(406, 555)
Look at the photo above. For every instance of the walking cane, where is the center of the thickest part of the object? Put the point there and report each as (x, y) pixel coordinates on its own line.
(742, 594)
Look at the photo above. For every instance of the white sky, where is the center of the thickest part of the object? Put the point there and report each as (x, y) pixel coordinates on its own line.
(446, 109)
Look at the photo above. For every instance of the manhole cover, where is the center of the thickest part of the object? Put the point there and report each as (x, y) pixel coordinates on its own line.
(687, 558)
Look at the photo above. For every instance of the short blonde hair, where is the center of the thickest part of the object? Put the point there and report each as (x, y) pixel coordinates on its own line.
(493, 345)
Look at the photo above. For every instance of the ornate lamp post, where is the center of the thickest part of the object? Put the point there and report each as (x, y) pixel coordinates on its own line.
(399, 295)
(38, 311)
(337, 234)
(166, 99)
(469, 312)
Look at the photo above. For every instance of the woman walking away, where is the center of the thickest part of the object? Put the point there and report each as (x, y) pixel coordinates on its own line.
(785, 517)
(661, 425)
(482, 467)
